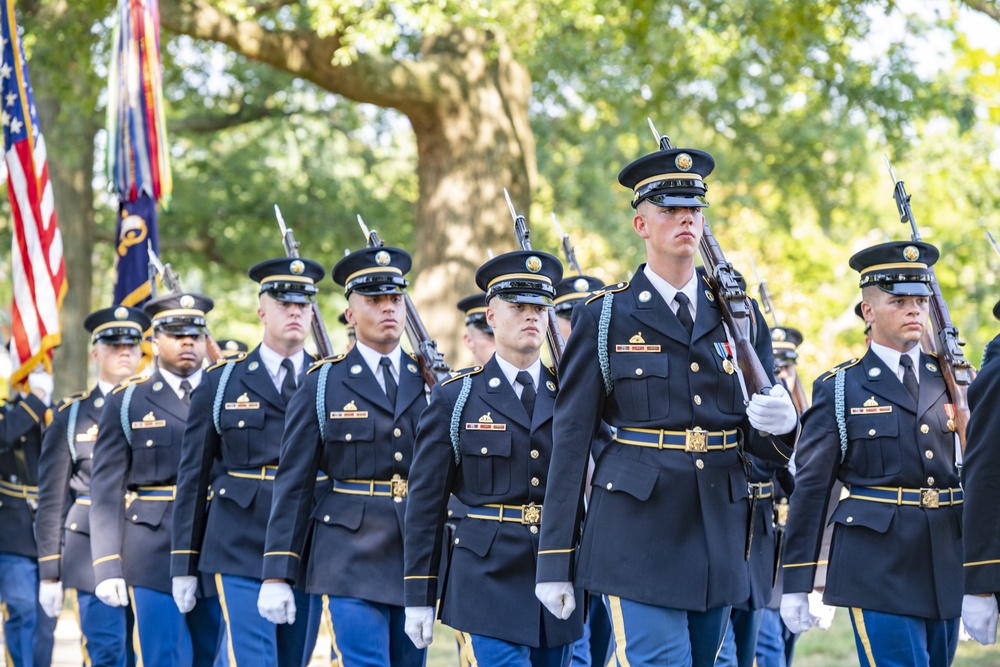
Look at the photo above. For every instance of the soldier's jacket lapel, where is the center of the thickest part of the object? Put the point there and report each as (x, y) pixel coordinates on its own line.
(500, 396)
(932, 385)
(882, 382)
(653, 313)
(361, 381)
(259, 380)
(709, 318)
(164, 398)
(410, 386)
(545, 398)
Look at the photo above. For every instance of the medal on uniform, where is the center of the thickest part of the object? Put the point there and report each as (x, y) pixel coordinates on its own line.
(949, 409)
(637, 344)
(726, 354)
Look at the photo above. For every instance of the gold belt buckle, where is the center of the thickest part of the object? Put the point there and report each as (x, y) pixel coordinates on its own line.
(696, 440)
(531, 514)
(400, 488)
(930, 498)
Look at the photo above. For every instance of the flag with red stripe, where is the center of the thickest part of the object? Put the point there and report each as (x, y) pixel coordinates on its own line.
(38, 271)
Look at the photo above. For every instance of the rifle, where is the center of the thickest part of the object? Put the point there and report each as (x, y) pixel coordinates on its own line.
(789, 371)
(553, 337)
(567, 247)
(955, 368)
(318, 329)
(733, 303)
(173, 283)
(433, 367)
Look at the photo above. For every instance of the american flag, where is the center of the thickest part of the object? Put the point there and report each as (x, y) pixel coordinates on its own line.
(37, 268)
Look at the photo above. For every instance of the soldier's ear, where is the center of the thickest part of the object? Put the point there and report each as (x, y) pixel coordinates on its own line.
(639, 224)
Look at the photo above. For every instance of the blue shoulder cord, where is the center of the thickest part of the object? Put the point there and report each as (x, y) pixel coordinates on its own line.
(74, 410)
(602, 342)
(217, 405)
(838, 406)
(456, 417)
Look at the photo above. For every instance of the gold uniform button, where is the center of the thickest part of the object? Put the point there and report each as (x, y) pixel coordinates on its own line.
(348, 437)
(398, 456)
(699, 464)
(850, 519)
(697, 399)
(149, 443)
(456, 540)
(396, 432)
(222, 492)
(638, 371)
(535, 481)
(72, 526)
(1, 503)
(534, 530)
(534, 453)
(871, 432)
(694, 367)
(326, 518)
(930, 481)
(483, 451)
(609, 486)
(924, 428)
(135, 517)
(241, 423)
(24, 438)
(928, 454)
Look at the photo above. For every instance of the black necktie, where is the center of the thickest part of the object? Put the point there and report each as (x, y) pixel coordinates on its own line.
(288, 384)
(186, 392)
(527, 392)
(683, 312)
(909, 377)
(390, 382)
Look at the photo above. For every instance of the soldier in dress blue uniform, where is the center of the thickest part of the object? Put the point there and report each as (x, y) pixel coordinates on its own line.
(487, 438)
(353, 419)
(478, 336)
(132, 491)
(666, 529)
(981, 481)
(237, 416)
(231, 347)
(352, 336)
(64, 479)
(27, 629)
(883, 425)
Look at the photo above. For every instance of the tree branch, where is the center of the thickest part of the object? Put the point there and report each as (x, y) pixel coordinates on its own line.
(203, 124)
(988, 7)
(369, 78)
(268, 7)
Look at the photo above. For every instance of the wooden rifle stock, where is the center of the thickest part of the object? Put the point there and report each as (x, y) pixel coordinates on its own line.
(317, 327)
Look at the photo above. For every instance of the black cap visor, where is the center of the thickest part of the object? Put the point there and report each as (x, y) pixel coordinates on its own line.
(290, 292)
(374, 285)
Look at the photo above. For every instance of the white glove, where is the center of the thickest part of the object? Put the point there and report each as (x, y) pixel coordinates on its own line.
(823, 613)
(557, 597)
(419, 625)
(50, 598)
(979, 613)
(276, 602)
(795, 612)
(112, 592)
(184, 588)
(774, 413)
(42, 384)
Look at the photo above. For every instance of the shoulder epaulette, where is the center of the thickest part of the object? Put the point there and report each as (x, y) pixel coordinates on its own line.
(329, 360)
(461, 373)
(239, 356)
(73, 398)
(933, 354)
(847, 364)
(412, 356)
(607, 290)
(135, 379)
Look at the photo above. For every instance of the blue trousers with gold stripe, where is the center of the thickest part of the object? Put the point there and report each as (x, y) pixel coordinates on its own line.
(252, 640)
(486, 651)
(739, 649)
(649, 636)
(28, 631)
(368, 634)
(164, 637)
(892, 640)
(103, 630)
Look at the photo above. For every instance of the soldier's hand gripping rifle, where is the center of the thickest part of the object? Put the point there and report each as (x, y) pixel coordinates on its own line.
(318, 329)
(567, 247)
(955, 368)
(791, 373)
(553, 337)
(433, 367)
(733, 303)
(173, 284)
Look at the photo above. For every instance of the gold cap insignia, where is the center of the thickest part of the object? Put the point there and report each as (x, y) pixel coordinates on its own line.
(382, 258)
(121, 313)
(533, 264)
(351, 407)
(232, 345)
(243, 398)
(637, 339)
(149, 417)
(910, 253)
(778, 334)
(187, 301)
(581, 285)
(486, 419)
(871, 403)
(683, 161)
(297, 266)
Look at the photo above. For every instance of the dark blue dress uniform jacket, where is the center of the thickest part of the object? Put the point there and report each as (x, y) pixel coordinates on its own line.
(883, 557)
(981, 479)
(352, 544)
(252, 418)
(664, 527)
(20, 443)
(63, 480)
(132, 540)
(490, 588)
